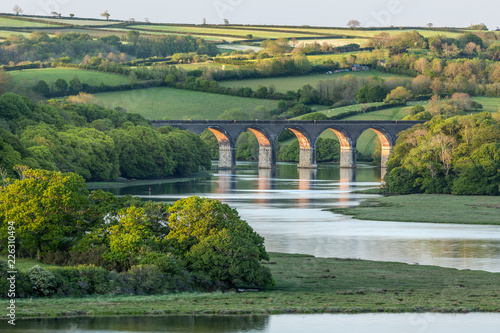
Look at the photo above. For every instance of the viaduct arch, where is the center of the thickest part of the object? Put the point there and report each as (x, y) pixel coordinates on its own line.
(307, 132)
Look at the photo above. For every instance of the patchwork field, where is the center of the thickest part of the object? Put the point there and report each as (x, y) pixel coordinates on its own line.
(283, 84)
(83, 22)
(222, 31)
(357, 32)
(7, 22)
(337, 41)
(6, 33)
(28, 76)
(158, 103)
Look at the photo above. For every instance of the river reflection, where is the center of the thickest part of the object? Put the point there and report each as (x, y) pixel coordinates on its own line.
(359, 323)
(286, 205)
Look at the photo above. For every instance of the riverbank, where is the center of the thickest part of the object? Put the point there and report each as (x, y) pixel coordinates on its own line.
(433, 208)
(144, 182)
(305, 284)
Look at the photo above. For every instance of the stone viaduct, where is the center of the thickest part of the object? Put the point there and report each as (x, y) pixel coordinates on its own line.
(307, 132)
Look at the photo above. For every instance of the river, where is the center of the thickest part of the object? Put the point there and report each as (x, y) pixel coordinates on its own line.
(286, 207)
(317, 323)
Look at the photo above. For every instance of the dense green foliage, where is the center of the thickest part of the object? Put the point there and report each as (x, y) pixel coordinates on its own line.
(458, 155)
(76, 47)
(326, 150)
(196, 243)
(95, 142)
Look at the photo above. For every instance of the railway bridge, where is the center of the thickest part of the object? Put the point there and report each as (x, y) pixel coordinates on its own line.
(307, 132)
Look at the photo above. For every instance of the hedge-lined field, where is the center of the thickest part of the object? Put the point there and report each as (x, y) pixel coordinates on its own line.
(157, 103)
(222, 31)
(83, 22)
(7, 22)
(28, 76)
(283, 84)
(360, 32)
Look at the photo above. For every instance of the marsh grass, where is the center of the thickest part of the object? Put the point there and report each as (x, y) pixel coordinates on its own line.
(305, 284)
(434, 208)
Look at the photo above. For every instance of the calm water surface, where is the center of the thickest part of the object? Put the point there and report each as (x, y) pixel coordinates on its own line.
(286, 207)
(359, 323)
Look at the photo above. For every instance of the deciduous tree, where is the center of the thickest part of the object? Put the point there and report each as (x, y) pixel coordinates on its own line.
(106, 14)
(214, 240)
(46, 207)
(353, 24)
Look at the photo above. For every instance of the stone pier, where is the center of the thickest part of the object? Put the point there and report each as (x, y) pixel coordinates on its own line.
(266, 160)
(347, 157)
(307, 158)
(227, 157)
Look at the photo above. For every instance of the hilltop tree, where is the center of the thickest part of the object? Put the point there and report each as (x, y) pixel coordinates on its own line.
(106, 14)
(226, 21)
(353, 24)
(71, 15)
(430, 25)
(17, 10)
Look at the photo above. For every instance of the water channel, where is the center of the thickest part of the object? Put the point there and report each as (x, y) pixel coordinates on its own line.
(286, 207)
(317, 323)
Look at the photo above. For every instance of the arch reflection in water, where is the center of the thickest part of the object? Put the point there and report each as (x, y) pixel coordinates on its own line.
(307, 183)
(266, 182)
(226, 181)
(347, 181)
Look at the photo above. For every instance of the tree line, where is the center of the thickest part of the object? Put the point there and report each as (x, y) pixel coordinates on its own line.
(80, 47)
(458, 155)
(98, 143)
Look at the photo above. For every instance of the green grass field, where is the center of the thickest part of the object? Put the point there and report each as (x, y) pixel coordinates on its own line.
(304, 284)
(283, 84)
(159, 33)
(321, 58)
(6, 33)
(83, 22)
(337, 41)
(360, 32)
(6, 22)
(490, 104)
(434, 208)
(221, 31)
(50, 75)
(157, 103)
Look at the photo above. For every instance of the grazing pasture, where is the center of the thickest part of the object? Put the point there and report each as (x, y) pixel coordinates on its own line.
(160, 103)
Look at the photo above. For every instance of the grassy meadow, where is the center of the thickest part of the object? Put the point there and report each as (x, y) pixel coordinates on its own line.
(82, 22)
(367, 33)
(8, 22)
(159, 103)
(283, 84)
(305, 284)
(50, 75)
(435, 208)
(6, 33)
(222, 30)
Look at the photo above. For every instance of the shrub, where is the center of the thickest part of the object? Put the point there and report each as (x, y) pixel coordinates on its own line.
(148, 279)
(42, 281)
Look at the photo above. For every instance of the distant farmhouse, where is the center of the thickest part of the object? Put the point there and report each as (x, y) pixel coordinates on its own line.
(359, 68)
(354, 68)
